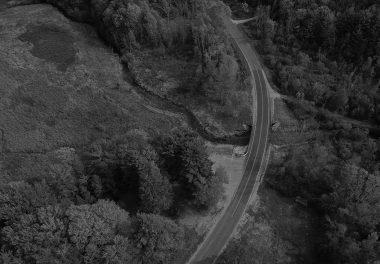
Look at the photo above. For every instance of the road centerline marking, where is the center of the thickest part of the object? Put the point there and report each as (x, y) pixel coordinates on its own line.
(254, 161)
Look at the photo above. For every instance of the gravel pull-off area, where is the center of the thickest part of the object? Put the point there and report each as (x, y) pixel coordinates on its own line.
(222, 156)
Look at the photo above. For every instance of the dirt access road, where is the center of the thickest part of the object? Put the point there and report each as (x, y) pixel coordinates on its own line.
(255, 166)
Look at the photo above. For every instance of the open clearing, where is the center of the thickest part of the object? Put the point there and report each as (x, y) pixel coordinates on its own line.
(60, 87)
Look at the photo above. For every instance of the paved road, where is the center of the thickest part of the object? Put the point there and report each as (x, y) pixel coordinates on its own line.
(220, 234)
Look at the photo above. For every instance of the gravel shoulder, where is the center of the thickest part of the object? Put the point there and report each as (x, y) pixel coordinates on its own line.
(222, 156)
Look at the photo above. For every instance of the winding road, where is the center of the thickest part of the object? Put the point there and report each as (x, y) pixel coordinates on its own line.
(255, 165)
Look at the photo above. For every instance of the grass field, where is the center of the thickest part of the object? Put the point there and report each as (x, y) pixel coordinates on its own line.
(60, 87)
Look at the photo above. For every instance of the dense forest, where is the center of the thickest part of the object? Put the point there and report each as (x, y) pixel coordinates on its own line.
(336, 176)
(324, 55)
(115, 203)
(324, 52)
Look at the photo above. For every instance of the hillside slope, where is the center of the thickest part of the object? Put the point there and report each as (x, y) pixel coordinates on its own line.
(60, 87)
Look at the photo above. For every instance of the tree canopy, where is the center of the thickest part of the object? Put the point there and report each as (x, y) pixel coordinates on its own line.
(85, 213)
(183, 155)
(340, 40)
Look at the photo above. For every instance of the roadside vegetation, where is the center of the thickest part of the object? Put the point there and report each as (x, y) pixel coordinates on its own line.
(324, 56)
